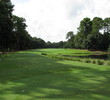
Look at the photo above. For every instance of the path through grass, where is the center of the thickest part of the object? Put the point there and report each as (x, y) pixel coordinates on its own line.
(30, 76)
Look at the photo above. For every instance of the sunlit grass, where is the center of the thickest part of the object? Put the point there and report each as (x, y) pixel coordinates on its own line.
(28, 75)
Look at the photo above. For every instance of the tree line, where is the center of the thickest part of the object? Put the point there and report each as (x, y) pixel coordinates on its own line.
(13, 33)
(92, 34)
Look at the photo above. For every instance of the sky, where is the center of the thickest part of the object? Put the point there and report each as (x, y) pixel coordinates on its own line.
(52, 19)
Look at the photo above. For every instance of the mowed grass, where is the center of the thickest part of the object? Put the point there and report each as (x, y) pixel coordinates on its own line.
(28, 75)
(72, 52)
(63, 51)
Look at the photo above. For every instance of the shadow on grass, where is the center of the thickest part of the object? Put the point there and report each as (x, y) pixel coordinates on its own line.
(27, 76)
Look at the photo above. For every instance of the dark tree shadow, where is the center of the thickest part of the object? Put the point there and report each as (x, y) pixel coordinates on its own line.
(27, 76)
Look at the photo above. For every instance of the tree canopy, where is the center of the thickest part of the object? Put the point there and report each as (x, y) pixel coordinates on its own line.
(92, 34)
(13, 33)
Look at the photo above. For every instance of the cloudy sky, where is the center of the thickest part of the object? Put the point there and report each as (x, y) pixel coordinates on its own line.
(52, 19)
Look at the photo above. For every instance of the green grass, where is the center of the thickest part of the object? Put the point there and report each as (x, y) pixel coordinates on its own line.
(28, 75)
(66, 52)
(74, 55)
(63, 51)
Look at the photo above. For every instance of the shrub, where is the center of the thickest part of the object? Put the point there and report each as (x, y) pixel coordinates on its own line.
(78, 59)
(100, 62)
(93, 61)
(43, 54)
(87, 60)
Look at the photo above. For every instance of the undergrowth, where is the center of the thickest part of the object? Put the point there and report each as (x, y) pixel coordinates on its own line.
(86, 60)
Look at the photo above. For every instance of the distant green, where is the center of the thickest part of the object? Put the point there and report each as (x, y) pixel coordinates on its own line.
(75, 52)
(28, 75)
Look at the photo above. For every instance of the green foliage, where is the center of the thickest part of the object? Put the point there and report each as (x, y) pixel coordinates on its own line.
(109, 49)
(97, 25)
(70, 43)
(100, 62)
(109, 52)
(90, 35)
(60, 44)
(93, 61)
(66, 54)
(43, 54)
(22, 39)
(85, 26)
(95, 41)
(79, 41)
(13, 33)
(6, 24)
(87, 60)
(106, 25)
(69, 35)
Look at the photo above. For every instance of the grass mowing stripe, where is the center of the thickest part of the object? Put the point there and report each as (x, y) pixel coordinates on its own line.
(29, 76)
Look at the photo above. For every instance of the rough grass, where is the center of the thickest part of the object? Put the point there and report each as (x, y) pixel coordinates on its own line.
(30, 76)
(69, 54)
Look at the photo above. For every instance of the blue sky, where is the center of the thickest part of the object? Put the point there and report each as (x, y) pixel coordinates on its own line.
(52, 19)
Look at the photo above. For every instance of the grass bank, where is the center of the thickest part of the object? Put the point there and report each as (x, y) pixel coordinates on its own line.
(66, 54)
(28, 75)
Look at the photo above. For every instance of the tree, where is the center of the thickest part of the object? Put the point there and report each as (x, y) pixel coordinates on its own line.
(85, 26)
(93, 34)
(95, 41)
(69, 35)
(78, 41)
(13, 33)
(70, 43)
(20, 32)
(97, 24)
(106, 25)
(6, 24)
(106, 33)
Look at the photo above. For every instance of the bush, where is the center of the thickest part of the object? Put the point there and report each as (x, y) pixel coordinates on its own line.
(87, 60)
(43, 54)
(100, 62)
(93, 61)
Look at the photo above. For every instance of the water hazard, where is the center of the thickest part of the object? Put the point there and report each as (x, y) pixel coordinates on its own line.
(93, 56)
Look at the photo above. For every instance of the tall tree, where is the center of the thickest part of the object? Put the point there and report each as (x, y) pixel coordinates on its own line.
(70, 43)
(106, 34)
(69, 35)
(93, 34)
(84, 29)
(106, 25)
(19, 32)
(6, 24)
(97, 24)
(85, 26)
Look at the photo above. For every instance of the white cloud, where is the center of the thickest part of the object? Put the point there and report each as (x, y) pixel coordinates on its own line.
(52, 19)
